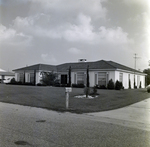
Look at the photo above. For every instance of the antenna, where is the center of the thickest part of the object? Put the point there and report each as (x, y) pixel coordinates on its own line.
(135, 57)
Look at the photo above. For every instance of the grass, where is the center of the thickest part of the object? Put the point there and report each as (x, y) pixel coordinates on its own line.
(53, 98)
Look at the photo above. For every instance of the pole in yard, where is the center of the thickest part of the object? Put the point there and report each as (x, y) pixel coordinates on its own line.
(67, 100)
(68, 89)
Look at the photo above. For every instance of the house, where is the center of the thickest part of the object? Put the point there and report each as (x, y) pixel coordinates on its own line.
(100, 72)
(5, 75)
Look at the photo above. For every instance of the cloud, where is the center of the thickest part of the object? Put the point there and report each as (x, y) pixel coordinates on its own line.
(116, 35)
(81, 30)
(74, 51)
(71, 7)
(11, 36)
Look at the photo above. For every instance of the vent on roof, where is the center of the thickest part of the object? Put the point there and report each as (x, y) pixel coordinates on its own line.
(82, 60)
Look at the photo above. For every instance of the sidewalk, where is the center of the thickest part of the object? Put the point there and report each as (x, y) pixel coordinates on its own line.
(136, 115)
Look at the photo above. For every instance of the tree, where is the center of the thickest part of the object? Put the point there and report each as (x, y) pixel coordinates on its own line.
(129, 84)
(69, 73)
(87, 78)
(110, 84)
(140, 85)
(147, 71)
(118, 85)
(87, 82)
(48, 78)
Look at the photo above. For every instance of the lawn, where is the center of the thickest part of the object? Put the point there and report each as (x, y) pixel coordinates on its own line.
(53, 98)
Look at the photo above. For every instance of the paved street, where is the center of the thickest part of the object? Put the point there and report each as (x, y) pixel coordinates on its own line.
(35, 127)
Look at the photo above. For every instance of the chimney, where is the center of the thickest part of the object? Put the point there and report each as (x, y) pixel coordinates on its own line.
(82, 60)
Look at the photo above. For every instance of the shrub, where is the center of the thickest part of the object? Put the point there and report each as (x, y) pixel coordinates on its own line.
(148, 88)
(140, 85)
(40, 84)
(48, 78)
(129, 84)
(94, 91)
(110, 84)
(78, 85)
(28, 83)
(100, 86)
(118, 85)
(57, 83)
(13, 81)
(86, 91)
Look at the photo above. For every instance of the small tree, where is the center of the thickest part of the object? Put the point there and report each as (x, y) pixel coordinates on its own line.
(87, 82)
(69, 73)
(48, 78)
(135, 87)
(140, 85)
(129, 84)
(118, 85)
(111, 84)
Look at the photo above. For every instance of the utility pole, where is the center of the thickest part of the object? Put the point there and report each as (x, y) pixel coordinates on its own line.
(135, 57)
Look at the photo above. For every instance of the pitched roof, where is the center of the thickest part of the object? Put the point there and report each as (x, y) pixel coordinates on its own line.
(6, 73)
(101, 64)
(38, 67)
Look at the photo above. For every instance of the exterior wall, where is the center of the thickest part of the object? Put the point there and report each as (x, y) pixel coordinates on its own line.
(130, 75)
(93, 77)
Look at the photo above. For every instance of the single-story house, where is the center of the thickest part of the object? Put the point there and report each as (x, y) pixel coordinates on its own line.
(6, 75)
(100, 72)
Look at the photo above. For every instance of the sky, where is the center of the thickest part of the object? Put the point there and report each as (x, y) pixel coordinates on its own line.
(61, 31)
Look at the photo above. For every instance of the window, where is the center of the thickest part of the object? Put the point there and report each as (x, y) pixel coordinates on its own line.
(102, 78)
(21, 77)
(32, 77)
(80, 78)
(121, 77)
(28, 77)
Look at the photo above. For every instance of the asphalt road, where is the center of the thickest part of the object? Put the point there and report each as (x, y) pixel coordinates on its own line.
(35, 127)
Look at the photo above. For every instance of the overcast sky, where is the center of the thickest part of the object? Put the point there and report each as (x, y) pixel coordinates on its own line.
(60, 31)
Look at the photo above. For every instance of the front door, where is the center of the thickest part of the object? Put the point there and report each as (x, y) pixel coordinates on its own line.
(63, 79)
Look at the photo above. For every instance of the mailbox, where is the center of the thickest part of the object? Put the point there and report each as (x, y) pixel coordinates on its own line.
(68, 89)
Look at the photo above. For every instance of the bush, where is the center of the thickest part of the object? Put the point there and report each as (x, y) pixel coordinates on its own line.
(13, 81)
(129, 84)
(140, 85)
(110, 84)
(40, 84)
(57, 83)
(86, 91)
(94, 91)
(78, 85)
(100, 86)
(28, 83)
(148, 88)
(118, 85)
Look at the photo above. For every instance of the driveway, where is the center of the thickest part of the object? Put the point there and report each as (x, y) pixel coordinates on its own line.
(136, 115)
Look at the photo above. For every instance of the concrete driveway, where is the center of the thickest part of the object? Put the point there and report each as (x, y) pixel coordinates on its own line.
(136, 115)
